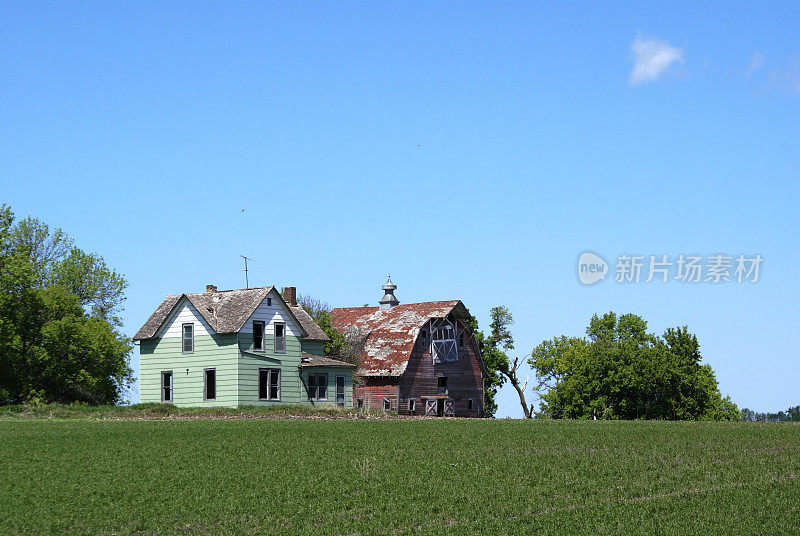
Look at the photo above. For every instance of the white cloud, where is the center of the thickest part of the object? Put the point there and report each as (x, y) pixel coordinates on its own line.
(652, 58)
(756, 62)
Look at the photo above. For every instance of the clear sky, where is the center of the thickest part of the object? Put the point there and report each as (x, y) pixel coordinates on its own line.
(473, 151)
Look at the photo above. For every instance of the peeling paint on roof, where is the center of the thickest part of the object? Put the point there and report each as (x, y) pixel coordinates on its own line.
(390, 333)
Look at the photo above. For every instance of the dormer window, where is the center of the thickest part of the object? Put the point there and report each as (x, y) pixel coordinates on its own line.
(258, 336)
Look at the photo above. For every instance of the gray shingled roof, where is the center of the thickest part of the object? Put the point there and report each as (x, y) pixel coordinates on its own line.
(225, 311)
(313, 331)
(311, 360)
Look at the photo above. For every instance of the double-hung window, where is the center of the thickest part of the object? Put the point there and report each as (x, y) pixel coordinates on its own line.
(188, 338)
(269, 384)
(258, 336)
(280, 338)
(318, 386)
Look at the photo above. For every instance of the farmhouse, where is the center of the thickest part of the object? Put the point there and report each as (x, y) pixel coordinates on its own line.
(416, 359)
(238, 347)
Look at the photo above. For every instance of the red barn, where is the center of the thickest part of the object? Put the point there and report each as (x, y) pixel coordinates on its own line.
(417, 358)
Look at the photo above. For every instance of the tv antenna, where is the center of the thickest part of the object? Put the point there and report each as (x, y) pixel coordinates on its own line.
(246, 280)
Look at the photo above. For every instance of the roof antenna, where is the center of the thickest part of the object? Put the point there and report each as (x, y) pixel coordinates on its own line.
(246, 280)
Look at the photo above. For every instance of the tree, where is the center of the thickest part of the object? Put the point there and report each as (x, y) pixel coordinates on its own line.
(620, 371)
(339, 346)
(56, 261)
(51, 346)
(500, 367)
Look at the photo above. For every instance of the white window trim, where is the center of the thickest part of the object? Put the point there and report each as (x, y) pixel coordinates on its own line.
(412, 404)
(387, 401)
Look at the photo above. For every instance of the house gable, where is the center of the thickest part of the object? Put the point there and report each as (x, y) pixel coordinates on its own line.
(182, 313)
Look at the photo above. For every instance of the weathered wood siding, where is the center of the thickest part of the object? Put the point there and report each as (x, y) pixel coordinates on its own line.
(373, 389)
(464, 379)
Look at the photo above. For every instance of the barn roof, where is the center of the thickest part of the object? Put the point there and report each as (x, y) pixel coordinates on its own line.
(226, 311)
(390, 333)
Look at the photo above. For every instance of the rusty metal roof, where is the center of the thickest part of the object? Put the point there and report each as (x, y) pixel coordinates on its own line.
(390, 333)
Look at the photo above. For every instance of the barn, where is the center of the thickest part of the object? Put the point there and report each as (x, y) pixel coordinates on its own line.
(416, 358)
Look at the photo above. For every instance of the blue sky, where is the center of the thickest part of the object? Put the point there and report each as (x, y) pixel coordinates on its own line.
(473, 151)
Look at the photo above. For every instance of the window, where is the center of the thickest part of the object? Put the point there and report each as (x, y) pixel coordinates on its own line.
(424, 336)
(280, 338)
(360, 403)
(269, 302)
(269, 384)
(412, 404)
(387, 404)
(210, 384)
(258, 336)
(443, 334)
(340, 391)
(442, 382)
(461, 340)
(188, 338)
(166, 386)
(471, 404)
(318, 386)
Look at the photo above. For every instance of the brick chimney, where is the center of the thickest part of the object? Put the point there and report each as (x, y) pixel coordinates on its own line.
(290, 295)
(211, 288)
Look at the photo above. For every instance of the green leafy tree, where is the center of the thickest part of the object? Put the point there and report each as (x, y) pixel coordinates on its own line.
(55, 344)
(339, 346)
(55, 260)
(620, 371)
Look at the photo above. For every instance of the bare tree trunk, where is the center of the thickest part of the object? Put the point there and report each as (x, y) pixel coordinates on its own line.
(514, 379)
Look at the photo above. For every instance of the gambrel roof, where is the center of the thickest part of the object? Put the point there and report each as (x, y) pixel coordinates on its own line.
(390, 333)
(226, 311)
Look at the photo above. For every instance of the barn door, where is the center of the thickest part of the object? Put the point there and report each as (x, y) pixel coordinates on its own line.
(449, 408)
(430, 407)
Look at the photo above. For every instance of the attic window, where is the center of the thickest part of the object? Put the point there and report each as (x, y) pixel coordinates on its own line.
(461, 340)
(269, 302)
(188, 338)
(443, 333)
(423, 334)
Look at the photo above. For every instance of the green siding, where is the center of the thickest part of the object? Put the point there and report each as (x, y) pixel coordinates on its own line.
(332, 372)
(237, 371)
(292, 391)
(313, 347)
(210, 351)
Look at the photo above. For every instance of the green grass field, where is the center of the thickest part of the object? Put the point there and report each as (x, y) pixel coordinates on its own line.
(397, 477)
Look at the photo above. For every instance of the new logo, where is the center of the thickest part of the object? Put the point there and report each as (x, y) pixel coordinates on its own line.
(591, 268)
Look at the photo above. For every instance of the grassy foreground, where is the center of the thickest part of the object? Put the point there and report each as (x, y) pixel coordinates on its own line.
(397, 477)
